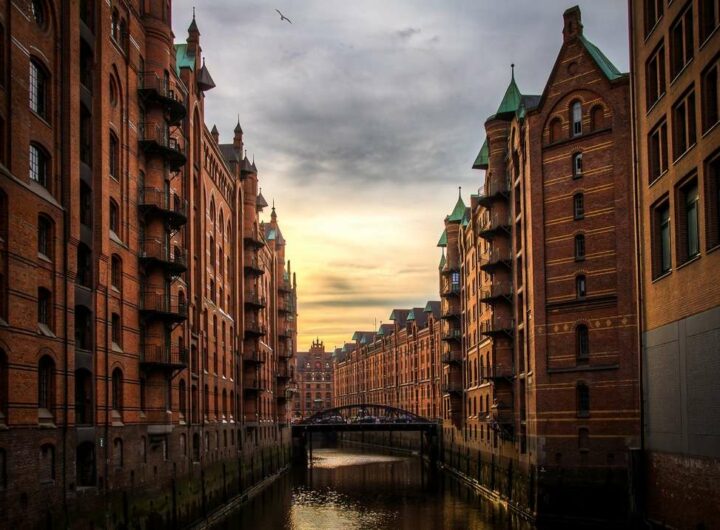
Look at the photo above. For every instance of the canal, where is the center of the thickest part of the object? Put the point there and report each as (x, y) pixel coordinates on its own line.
(351, 489)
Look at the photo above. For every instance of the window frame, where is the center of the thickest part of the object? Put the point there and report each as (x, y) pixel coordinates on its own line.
(684, 124)
(578, 206)
(38, 89)
(686, 42)
(709, 104)
(658, 76)
(576, 117)
(577, 165)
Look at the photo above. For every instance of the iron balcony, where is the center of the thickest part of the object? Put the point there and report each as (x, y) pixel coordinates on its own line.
(157, 252)
(497, 291)
(490, 261)
(162, 306)
(496, 190)
(165, 204)
(164, 356)
(451, 334)
(156, 138)
(451, 357)
(497, 325)
(253, 357)
(491, 226)
(254, 329)
(452, 387)
(253, 300)
(252, 386)
(497, 372)
(254, 240)
(171, 96)
(253, 268)
(450, 289)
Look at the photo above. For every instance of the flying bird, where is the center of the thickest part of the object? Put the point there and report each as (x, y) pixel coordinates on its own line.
(283, 17)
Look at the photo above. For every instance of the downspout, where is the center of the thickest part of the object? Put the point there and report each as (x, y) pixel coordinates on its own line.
(66, 233)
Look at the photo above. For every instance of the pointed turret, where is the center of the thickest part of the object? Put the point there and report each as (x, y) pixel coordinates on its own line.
(215, 134)
(238, 137)
(193, 39)
(204, 79)
(456, 216)
(511, 100)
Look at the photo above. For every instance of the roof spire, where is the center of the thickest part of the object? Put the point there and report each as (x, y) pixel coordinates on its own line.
(459, 192)
(193, 29)
(238, 129)
(512, 70)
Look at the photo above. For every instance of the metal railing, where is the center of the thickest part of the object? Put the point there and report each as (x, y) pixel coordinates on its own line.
(159, 133)
(159, 250)
(163, 200)
(171, 354)
(164, 303)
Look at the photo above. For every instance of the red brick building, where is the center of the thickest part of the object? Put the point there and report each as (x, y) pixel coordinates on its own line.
(398, 365)
(146, 312)
(313, 377)
(541, 381)
(676, 62)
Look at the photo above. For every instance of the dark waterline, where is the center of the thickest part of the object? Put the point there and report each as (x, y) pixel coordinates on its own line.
(357, 490)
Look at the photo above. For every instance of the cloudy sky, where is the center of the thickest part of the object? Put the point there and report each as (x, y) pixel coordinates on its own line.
(364, 117)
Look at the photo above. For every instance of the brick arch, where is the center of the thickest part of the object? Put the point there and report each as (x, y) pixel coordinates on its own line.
(563, 106)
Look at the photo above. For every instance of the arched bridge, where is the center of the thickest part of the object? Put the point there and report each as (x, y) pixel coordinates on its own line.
(365, 417)
(362, 417)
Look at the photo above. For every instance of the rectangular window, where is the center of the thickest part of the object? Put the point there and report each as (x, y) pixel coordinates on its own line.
(116, 329)
(709, 18)
(684, 130)
(710, 95)
(712, 191)
(655, 76)
(577, 165)
(653, 13)
(681, 41)
(657, 151)
(662, 256)
(688, 236)
(580, 287)
(44, 236)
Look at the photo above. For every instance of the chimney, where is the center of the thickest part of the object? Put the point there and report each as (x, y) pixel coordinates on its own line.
(573, 24)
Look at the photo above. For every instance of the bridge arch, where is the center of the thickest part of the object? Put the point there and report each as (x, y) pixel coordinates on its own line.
(364, 413)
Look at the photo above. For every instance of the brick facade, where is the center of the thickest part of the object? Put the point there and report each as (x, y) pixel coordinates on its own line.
(397, 365)
(676, 65)
(147, 313)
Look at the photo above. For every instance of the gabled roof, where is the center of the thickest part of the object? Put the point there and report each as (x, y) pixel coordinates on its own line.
(433, 306)
(442, 242)
(229, 153)
(442, 262)
(458, 212)
(399, 316)
(607, 67)
(182, 59)
(418, 316)
(386, 330)
(481, 161)
(364, 337)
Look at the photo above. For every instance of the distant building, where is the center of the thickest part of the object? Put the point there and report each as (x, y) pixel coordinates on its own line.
(397, 365)
(676, 100)
(313, 373)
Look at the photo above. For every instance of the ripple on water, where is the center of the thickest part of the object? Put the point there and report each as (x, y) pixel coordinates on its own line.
(328, 509)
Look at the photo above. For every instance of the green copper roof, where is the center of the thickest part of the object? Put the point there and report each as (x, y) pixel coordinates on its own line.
(442, 242)
(442, 262)
(411, 315)
(481, 162)
(511, 99)
(608, 68)
(182, 59)
(458, 212)
(466, 217)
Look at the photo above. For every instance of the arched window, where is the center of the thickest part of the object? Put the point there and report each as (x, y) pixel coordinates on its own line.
(44, 308)
(577, 166)
(117, 390)
(46, 384)
(38, 88)
(114, 217)
(83, 328)
(38, 12)
(84, 265)
(576, 112)
(221, 222)
(116, 329)
(579, 247)
(46, 464)
(224, 403)
(115, 25)
(578, 206)
(583, 439)
(216, 399)
(45, 236)
(39, 163)
(123, 35)
(232, 404)
(182, 397)
(221, 262)
(85, 464)
(116, 272)
(118, 457)
(114, 161)
(582, 342)
(212, 253)
(597, 118)
(212, 210)
(580, 286)
(84, 409)
(555, 130)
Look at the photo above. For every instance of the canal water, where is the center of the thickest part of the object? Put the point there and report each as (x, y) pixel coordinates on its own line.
(349, 489)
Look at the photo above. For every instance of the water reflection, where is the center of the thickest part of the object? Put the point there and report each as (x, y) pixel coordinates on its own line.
(348, 489)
